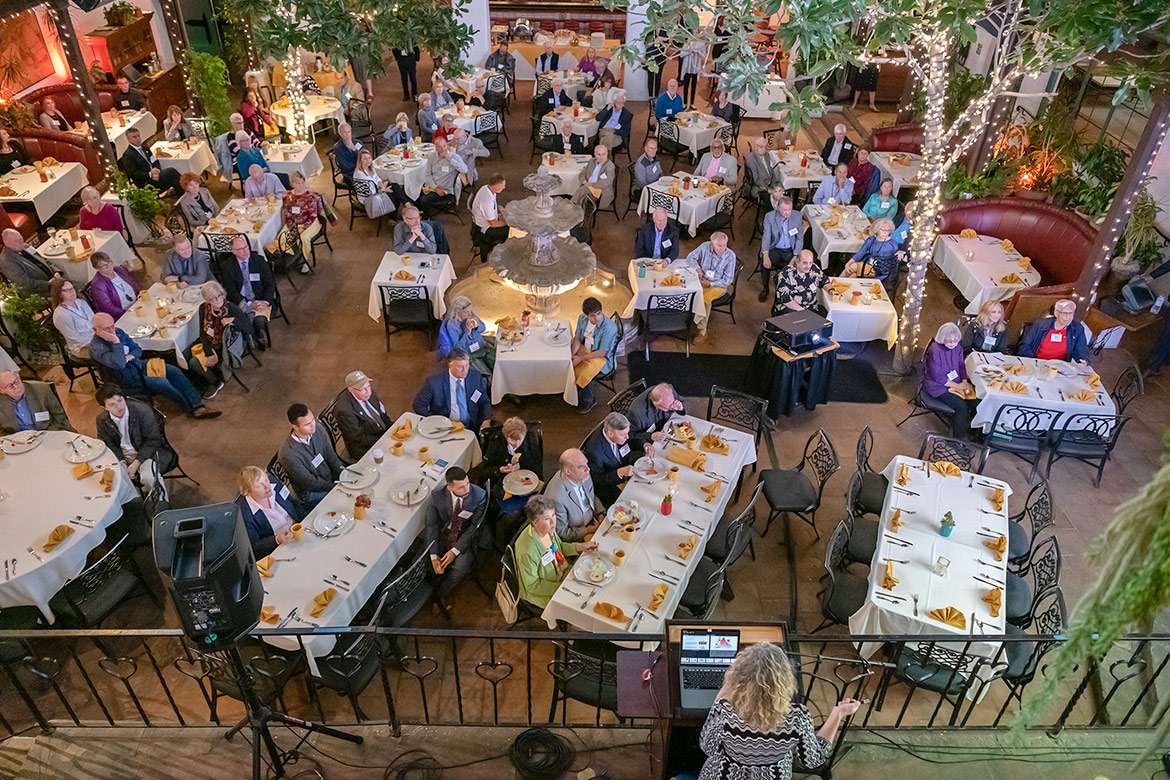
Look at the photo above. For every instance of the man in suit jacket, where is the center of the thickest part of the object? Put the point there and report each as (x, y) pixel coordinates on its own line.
(141, 166)
(838, 149)
(22, 266)
(458, 393)
(718, 166)
(615, 121)
(268, 509)
(32, 406)
(360, 415)
(610, 456)
(647, 168)
(185, 265)
(126, 99)
(783, 240)
(309, 458)
(765, 173)
(552, 97)
(549, 61)
(226, 146)
(657, 239)
(132, 432)
(571, 489)
(567, 143)
(599, 174)
(249, 284)
(649, 413)
(452, 534)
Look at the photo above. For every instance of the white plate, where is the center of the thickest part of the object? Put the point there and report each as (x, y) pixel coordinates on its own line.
(21, 442)
(643, 464)
(410, 492)
(514, 482)
(324, 523)
(590, 563)
(358, 477)
(435, 427)
(142, 331)
(640, 511)
(509, 344)
(558, 338)
(83, 449)
(191, 295)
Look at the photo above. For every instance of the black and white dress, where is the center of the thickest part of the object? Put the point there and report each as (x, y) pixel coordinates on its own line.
(795, 286)
(735, 751)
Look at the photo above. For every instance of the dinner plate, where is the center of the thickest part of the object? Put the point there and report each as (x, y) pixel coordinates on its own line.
(81, 449)
(510, 341)
(521, 482)
(990, 371)
(358, 477)
(623, 509)
(413, 163)
(191, 295)
(410, 492)
(592, 569)
(142, 331)
(644, 465)
(558, 338)
(435, 427)
(327, 523)
(21, 442)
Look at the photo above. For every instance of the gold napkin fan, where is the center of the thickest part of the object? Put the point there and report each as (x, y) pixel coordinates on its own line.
(82, 470)
(658, 596)
(1025, 263)
(402, 432)
(611, 611)
(264, 566)
(507, 323)
(58, 535)
(1094, 381)
(1012, 278)
(946, 468)
(321, 601)
(692, 459)
(50, 162)
(876, 291)
(832, 221)
(904, 474)
(838, 287)
(1015, 387)
(268, 615)
(162, 154)
(685, 548)
(711, 490)
(404, 276)
(997, 498)
(712, 124)
(1007, 245)
(889, 580)
(968, 233)
(998, 545)
(1016, 370)
(712, 443)
(966, 392)
(1085, 396)
(994, 599)
(671, 281)
(896, 521)
(950, 616)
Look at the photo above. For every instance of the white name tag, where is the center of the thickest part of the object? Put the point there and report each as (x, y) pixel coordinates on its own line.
(473, 348)
(16, 163)
(850, 180)
(885, 204)
(603, 175)
(466, 513)
(317, 461)
(666, 244)
(952, 376)
(650, 429)
(126, 349)
(475, 396)
(548, 557)
(253, 277)
(552, 101)
(988, 342)
(284, 491)
(670, 111)
(624, 450)
(847, 146)
(1057, 338)
(295, 209)
(382, 406)
(41, 416)
(792, 231)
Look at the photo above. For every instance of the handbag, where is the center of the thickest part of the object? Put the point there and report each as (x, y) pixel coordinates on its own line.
(509, 605)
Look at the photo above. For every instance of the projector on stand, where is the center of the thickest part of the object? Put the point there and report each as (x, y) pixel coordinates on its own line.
(799, 332)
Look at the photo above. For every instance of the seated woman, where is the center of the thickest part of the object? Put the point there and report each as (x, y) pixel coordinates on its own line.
(12, 154)
(944, 378)
(113, 290)
(301, 209)
(216, 313)
(51, 118)
(269, 510)
(512, 449)
(175, 127)
(440, 97)
(461, 328)
(878, 256)
(541, 556)
(1059, 337)
(428, 120)
(72, 316)
(399, 133)
(725, 109)
(600, 96)
(372, 191)
(882, 204)
(248, 154)
(988, 331)
(260, 184)
(476, 96)
(95, 215)
(257, 121)
(440, 83)
(754, 729)
(590, 64)
(197, 204)
(799, 285)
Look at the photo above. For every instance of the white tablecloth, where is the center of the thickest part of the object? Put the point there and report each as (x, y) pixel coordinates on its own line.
(774, 91)
(81, 271)
(843, 238)
(466, 84)
(575, 85)
(1043, 392)
(566, 168)
(464, 118)
(903, 174)
(47, 197)
(295, 583)
(979, 279)
(178, 336)
(646, 286)
(319, 109)
(242, 215)
(143, 120)
(793, 176)
(967, 499)
(536, 367)
(694, 208)
(697, 136)
(301, 157)
(410, 173)
(861, 323)
(658, 537)
(195, 160)
(435, 279)
(584, 124)
(43, 494)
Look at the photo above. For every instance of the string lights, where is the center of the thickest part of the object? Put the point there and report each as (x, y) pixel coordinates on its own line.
(294, 91)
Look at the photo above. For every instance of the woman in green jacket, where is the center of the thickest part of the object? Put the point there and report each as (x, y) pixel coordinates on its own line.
(541, 556)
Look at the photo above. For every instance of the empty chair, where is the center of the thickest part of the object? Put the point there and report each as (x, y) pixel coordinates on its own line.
(869, 494)
(792, 491)
(1089, 438)
(1023, 431)
(1039, 572)
(727, 544)
(406, 307)
(668, 315)
(1049, 618)
(1037, 513)
(1128, 387)
(843, 592)
(968, 456)
(746, 412)
(586, 671)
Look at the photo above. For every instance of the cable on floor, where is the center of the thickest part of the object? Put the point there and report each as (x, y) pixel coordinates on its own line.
(538, 753)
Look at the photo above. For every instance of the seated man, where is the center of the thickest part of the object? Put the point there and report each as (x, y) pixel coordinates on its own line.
(250, 285)
(615, 121)
(442, 182)
(597, 179)
(452, 533)
(838, 149)
(836, 189)
(669, 104)
(268, 509)
(571, 489)
(485, 214)
(657, 239)
(716, 266)
(458, 393)
(783, 239)
(594, 351)
(800, 281)
(142, 168)
(126, 99)
(610, 457)
(647, 168)
(567, 143)
(360, 415)
(131, 431)
(549, 61)
(508, 449)
(649, 413)
(1059, 337)
(501, 60)
(120, 361)
(470, 149)
(345, 151)
(31, 406)
(23, 266)
(765, 173)
(718, 166)
(552, 97)
(308, 457)
(260, 183)
(185, 265)
(412, 234)
(226, 148)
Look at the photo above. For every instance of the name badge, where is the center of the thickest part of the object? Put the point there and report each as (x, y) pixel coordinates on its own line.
(41, 416)
(296, 209)
(548, 557)
(552, 101)
(792, 231)
(475, 396)
(405, 53)
(603, 175)
(722, 169)
(666, 244)
(850, 180)
(952, 375)
(885, 204)
(669, 111)
(284, 491)
(465, 514)
(988, 342)
(847, 146)
(382, 406)
(473, 348)
(126, 349)
(16, 163)
(317, 461)
(253, 277)
(445, 168)
(624, 450)
(1057, 338)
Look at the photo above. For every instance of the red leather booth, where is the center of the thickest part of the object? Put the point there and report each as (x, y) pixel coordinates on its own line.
(1057, 240)
(68, 100)
(897, 138)
(25, 224)
(66, 147)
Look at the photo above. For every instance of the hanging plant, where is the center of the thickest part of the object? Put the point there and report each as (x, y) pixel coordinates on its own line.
(207, 80)
(1140, 239)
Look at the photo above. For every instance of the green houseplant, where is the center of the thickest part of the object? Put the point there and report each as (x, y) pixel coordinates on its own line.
(18, 115)
(121, 13)
(1138, 247)
(143, 202)
(207, 79)
(26, 313)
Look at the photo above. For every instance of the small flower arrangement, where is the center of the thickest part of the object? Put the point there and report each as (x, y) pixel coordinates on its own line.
(948, 524)
(360, 504)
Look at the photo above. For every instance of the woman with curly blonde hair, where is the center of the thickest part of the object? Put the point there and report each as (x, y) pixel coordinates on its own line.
(754, 728)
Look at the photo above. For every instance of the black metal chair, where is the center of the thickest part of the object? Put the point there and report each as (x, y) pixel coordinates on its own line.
(525, 610)
(404, 308)
(743, 410)
(622, 401)
(1023, 431)
(792, 491)
(442, 247)
(708, 581)
(355, 660)
(968, 456)
(1039, 572)
(724, 216)
(271, 670)
(669, 144)
(363, 188)
(1037, 512)
(175, 470)
(607, 380)
(176, 222)
(585, 670)
(922, 403)
(277, 470)
(543, 131)
(357, 113)
(1089, 438)
(1128, 387)
(632, 194)
(869, 493)
(1049, 618)
(726, 302)
(93, 595)
(341, 182)
(73, 366)
(668, 315)
(731, 537)
(843, 592)
(657, 199)
(935, 668)
(328, 418)
(289, 257)
(863, 538)
(488, 127)
(322, 236)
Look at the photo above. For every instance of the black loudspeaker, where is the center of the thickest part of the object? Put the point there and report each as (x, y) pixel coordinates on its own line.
(206, 561)
(88, 5)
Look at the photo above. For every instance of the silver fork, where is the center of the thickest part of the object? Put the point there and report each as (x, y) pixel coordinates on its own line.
(915, 597)
(285, 560)
(592, 593)
(354, 560)
(38, 555)
(338, 579)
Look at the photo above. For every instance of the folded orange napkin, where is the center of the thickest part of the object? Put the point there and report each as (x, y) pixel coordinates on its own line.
(839, 287)
(692, 459)
(998, 545)
(108, 480)
(58, 535)
(611, 611)
(1016, 370)
(997, 499)
(321, 601)
(968, 233)
(904, 474)
(402, 432)
(658, 596)
(268, 614)
(896, 521)
(889, 581)
(712, 443)
(1025, 263)
(1007, 245)
(264, 566)
(876, 291)
(1085, 396)
(687, 546)
(994, 599)
(197, 353)
(1094, 381)
(595, 192)
(711, 490)
(156, 367)
(996, 383)
(966, 392)
(456, 426)
(674, 280)
(950, 616)
(404, 276)
(946, 468)
(82, 470)
(7, 192)
(673, 189)
(162, 154)
(832, 221)
(1012, 278)
(1015, 387)
(50, 162)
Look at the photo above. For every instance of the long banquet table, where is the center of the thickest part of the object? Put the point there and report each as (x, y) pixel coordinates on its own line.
(1041, 391)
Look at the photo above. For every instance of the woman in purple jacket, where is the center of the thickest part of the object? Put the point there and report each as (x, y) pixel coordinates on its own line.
(113, 290)
(944, 371)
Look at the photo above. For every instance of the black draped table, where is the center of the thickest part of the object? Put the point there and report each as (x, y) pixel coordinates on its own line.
(785, 379)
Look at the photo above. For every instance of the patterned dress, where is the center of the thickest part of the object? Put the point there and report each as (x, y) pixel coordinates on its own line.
(795, 286)
(735, 751)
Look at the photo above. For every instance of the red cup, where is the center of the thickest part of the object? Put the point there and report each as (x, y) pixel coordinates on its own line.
(667, 507)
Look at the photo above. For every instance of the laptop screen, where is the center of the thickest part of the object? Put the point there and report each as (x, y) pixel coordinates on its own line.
(713, 647)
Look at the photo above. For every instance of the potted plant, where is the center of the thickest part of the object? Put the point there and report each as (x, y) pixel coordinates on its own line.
(143, 203)
(947, 525)
(1138, 247)
(207, 80)
(17, 115)
(121, 13)
(27, 313)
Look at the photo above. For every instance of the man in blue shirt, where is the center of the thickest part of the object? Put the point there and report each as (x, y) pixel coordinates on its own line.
(836, 189)
(29, 407)
(594, 351)
(657, 239)
(670, 103)
(616, 122)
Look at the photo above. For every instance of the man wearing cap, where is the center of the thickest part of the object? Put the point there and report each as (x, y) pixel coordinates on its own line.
(360, 415)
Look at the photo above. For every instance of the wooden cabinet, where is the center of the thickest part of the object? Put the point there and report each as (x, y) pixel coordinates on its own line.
(117, 47)
(165, 88)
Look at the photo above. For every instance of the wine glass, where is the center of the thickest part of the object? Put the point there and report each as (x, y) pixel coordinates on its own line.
(52, 237)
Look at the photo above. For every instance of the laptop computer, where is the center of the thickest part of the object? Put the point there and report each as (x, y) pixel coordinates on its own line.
(704, 655)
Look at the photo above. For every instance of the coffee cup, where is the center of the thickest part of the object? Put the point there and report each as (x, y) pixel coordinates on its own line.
(627, 534)
(172, 288)
(139, 310)
(619, 557)
(298, 532)
(396, 450)
(424, 453)
(672, 475)
(379, 456)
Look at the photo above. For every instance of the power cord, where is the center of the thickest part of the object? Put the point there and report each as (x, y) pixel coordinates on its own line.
(538, 753)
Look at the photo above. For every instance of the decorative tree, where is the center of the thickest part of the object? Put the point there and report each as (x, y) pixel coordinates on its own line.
(1033, 38)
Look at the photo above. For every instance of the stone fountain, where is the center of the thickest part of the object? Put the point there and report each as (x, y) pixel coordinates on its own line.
(544, 263)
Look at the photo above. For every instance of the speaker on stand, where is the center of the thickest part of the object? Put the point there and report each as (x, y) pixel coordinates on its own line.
(206, 563)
